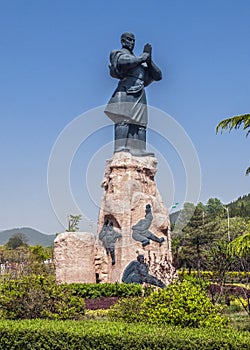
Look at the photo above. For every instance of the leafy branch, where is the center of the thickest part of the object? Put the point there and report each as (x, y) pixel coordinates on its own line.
(235, 123)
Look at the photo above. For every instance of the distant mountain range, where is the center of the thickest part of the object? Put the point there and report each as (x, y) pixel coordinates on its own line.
(33, 236)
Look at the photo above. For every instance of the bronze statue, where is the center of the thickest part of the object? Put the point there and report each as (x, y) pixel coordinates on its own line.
(141, 231)
(137, 272)
(128, 105)
(109, 236)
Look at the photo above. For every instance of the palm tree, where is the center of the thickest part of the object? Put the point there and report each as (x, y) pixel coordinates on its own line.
(235, 123)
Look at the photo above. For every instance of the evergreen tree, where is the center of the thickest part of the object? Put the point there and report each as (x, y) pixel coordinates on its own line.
(198, 236)
(214, 207)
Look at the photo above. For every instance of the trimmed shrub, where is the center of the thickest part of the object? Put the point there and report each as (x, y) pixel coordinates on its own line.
(211, 276)
(184, 304)
(97, 335)
(37, 296)
(96, 314)
(98, 290)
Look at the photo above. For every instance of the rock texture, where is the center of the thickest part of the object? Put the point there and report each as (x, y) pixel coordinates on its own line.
(74, 257)
(128, 186)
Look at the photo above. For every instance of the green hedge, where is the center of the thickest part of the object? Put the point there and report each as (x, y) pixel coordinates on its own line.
(211, 276)
(93, 290)
(76, 335)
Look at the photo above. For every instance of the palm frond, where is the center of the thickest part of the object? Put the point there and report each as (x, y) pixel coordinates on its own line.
(235, 123)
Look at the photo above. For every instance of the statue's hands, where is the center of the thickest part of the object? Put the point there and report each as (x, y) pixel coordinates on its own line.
(148, 49)
(144, 56)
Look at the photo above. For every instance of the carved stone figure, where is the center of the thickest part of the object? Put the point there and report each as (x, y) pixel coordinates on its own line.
(137, 272)
(128, 105)
(109, 236)
(141, 231)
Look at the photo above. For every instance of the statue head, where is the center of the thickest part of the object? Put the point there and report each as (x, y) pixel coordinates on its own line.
(128, 41)
(140, 258)
(148, 208)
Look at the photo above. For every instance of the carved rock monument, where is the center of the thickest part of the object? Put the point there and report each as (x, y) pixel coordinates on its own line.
(129, 187)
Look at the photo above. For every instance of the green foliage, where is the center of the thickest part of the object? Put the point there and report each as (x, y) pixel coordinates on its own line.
(96, 314)
(202, 243)
(238, 320)
(200, 282)
(25, 260)
(240, 207)
(93, 290)
(40, 253)
(184, 304)
(73, 223)
(235, 123)
(196, 240)
(183, 217)
(240, 246)
(16, 240)
(37, 296)
(214, 207)
(238, 226)
(237, 304)
(181, 303)
(211, 276)
(96, 335)
(127, 310)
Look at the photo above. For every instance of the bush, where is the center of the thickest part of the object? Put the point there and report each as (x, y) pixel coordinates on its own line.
(96, 314)
(97, 335)
(181, 303)
(196, 281)
(184, 304)
(93, 290)
(37, 296)
(127, 310)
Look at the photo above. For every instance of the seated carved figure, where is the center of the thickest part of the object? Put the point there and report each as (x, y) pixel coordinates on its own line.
(109, 236)
(141, 232)
(137, 272)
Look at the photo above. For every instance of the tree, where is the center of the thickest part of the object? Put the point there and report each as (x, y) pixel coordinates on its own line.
(214, 207)
(197, 238)
(182, 255)
(73, 223)
(235, 123)
(16, 240)
(240, 247)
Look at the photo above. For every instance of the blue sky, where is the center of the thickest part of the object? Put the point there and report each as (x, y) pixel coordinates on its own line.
(54, 68)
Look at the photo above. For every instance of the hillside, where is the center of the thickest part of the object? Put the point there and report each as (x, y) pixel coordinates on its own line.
(33, 236)
(240, 207)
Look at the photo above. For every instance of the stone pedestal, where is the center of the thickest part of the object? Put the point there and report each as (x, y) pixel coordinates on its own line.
(74, 257)
(129, 186)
